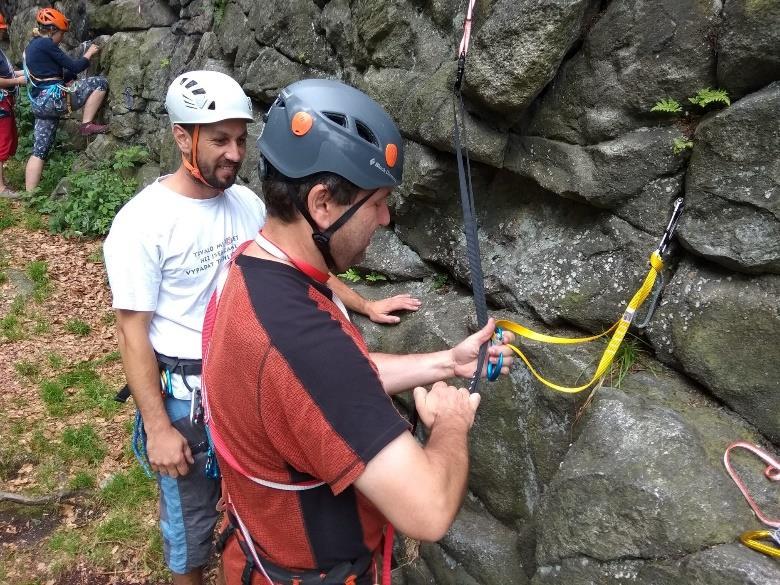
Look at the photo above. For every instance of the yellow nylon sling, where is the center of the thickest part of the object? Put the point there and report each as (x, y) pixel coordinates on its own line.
(618, 330)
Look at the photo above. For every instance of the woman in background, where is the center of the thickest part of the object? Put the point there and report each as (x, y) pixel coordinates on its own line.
(53, 91)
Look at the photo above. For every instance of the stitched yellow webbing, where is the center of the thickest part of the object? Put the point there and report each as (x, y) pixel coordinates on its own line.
(752, 539)
(618, 331)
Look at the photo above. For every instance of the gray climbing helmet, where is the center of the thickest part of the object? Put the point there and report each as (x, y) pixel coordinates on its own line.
(322, 125)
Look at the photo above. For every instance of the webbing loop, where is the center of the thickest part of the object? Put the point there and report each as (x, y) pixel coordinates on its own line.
(618, 331)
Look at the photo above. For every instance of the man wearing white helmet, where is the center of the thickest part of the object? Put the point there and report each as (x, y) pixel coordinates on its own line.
(163, 255)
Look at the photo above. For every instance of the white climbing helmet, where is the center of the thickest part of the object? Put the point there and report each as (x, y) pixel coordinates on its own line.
(205, 97)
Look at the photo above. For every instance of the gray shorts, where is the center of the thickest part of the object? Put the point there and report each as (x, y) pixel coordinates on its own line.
(188, 505)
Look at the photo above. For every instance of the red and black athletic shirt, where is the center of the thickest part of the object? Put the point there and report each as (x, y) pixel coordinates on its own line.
(294, 396)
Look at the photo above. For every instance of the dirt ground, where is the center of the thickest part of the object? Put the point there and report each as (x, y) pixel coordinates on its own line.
(78, 291)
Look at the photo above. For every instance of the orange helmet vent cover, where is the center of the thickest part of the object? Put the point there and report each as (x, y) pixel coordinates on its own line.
(391, 155)
(301, 123)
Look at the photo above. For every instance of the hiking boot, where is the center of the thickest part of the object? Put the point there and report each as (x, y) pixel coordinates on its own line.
(91, 128)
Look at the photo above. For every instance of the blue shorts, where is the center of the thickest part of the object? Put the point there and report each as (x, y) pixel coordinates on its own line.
(188, 504)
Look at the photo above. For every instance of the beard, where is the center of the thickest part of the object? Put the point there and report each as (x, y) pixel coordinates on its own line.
(227, 170)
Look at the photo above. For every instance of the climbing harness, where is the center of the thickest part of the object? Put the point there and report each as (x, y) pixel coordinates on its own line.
(755, 538)
(618, 330)
(344, 573)
(168, 367)
(58, 92)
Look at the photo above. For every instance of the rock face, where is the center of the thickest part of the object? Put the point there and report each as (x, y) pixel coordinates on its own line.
(733, 185)
(573, 177)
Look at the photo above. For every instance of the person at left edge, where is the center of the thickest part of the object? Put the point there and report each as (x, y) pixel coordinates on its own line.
(10, 80)
(163, 255)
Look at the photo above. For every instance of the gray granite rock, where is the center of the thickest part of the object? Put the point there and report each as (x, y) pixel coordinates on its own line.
(733, 186)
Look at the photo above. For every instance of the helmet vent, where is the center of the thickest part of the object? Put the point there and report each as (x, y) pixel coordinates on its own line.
(198, 91)
(212, 106)
(190, 83)
(365, 133)
(339, 119)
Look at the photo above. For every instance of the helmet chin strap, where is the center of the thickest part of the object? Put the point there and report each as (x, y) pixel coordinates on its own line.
(322, 237)
(192, 166)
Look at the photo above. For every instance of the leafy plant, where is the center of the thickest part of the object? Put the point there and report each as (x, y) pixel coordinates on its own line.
(681, 144)
(705, 97)
(94, 196)
(219, 11)
(351, 274)
(127, 158)
(375, 277)
(439, 282)
(668, 105)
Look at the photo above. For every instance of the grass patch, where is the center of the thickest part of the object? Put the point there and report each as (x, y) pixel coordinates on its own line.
(40, 324)
(96, 255)
(627, 360)
(55, 360)
(92, 392)
(27, 369)
(53, 396)
(83, 443)
(119, 527)
(11, 328)
(38, 272)
(32, 220)
(83, 480)
(65, 541)
(130, 489)
(8, 216)
(77, 327)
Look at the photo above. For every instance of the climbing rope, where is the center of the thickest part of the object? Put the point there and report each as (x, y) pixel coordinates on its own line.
(755, 538)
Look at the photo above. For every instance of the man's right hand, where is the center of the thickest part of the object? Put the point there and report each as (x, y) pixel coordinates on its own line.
(91, 50)
(446, 404)
(168, 452)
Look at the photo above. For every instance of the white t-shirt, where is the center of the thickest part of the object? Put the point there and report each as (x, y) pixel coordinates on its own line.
(164, 253)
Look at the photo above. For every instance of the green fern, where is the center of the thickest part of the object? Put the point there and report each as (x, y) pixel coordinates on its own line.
(705, 97)
(681, 144)
(375, 277)
(351, 274)
(668, 106)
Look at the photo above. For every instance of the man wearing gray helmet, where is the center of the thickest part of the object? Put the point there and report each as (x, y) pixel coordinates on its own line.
(163, 256)
(314, 456)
